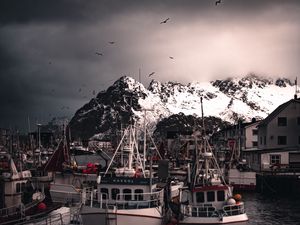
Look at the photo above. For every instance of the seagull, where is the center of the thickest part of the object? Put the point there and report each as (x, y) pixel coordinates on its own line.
(171, 57)
(151, 74)
(99, 53)
(111, 42)
(165, 21)
(218, 2)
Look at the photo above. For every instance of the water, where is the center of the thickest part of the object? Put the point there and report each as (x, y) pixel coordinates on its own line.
(272, 209)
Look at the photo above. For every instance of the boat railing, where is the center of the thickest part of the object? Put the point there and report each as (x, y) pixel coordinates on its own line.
(140, 200)
(35, 202)
(211, 211)
(49, 220)
(52, 219)
(91, 197)
(200, 210)
(231, 210)
(13, 210)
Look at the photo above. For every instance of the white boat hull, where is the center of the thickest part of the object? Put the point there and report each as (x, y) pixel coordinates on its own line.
(242, 180)
(96, 216)
(237, 219)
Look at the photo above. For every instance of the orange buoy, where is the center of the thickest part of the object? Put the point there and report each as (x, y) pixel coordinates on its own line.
(42, 206)
(237, 197)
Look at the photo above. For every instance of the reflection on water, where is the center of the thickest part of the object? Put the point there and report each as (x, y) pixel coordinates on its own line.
(272, 209)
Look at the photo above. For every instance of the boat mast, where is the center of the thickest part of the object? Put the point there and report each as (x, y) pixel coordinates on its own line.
(145, 136)
(130, 153)
(204, 141)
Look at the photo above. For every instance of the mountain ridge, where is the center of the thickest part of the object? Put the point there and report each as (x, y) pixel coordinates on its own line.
(229, 99)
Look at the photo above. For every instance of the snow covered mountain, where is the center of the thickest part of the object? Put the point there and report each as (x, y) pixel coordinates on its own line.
(229, 100)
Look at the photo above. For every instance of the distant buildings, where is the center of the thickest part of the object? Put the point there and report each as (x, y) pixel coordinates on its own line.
(270, 144)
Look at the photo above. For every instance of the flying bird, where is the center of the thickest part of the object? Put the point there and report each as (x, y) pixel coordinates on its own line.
(165, 21)
(99, 53)
(171, 57)
(218, 2)
(111, 42)
(151, 74)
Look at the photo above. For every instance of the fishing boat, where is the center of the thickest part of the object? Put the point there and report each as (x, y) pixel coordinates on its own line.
(241, 177)
(208, 199)
(19, 201)
(126, 193)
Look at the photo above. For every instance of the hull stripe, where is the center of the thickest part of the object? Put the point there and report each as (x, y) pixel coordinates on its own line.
(126, 214)
(240, 221)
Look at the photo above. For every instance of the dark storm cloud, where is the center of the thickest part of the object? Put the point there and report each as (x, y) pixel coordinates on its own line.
(74, 11)
(47, 48)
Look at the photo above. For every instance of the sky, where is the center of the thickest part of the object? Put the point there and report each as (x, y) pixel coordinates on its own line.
(56, 55)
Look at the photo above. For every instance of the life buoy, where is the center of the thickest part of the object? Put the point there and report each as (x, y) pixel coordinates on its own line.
(137, 174)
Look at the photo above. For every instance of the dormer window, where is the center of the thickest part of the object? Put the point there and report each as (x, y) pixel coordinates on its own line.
(282, 121)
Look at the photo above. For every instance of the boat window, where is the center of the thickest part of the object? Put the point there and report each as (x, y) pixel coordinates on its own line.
(221, 196)
(210, 196)
(18, 187)
(127, 194)
(200, 196)
(23, 187)
(138, 195)
(104, 192)
(114, 193)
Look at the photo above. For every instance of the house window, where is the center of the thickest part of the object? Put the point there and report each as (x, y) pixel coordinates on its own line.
(260, 140)
(200, 196)
(282, 121)
(221, 196)
(210, 196)
(265, 140)
(138, 195)
(298, 120)
(114, 193)
(255, 132)
(127, 194)
(275, 159)
(254, 143)
(104, 192)
(299, 140)
(282, 140)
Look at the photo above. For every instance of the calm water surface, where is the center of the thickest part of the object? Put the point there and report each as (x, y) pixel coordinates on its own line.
(272, 209)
